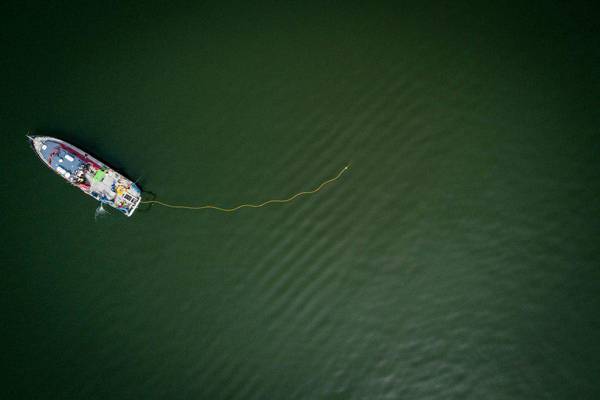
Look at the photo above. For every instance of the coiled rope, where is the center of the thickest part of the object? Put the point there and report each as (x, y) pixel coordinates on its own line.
(212, 207)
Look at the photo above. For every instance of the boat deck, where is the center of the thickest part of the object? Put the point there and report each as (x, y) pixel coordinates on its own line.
(90, 175)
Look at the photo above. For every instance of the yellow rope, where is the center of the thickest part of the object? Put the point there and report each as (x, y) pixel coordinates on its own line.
(250, 205)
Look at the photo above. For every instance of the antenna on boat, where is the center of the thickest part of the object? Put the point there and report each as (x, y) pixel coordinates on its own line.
(287, 200)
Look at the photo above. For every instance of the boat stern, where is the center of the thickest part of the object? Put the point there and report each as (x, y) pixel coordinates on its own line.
(136, 204)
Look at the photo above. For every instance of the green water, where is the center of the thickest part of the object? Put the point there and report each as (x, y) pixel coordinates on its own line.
(458, 258)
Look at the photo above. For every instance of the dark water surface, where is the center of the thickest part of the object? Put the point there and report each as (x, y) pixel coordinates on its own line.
(458, 258)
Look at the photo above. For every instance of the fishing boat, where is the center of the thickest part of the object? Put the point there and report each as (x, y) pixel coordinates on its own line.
(87, 173)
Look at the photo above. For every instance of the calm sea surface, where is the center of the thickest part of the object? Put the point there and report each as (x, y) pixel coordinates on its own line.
(459, 257)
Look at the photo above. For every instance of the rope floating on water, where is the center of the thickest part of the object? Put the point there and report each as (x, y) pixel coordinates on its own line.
(212, 207)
